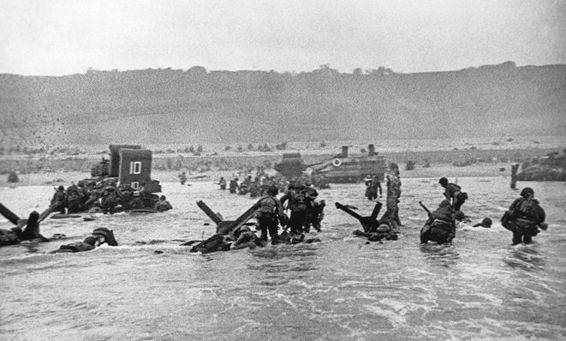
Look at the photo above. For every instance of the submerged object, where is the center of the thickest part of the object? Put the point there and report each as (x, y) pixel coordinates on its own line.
(224, 228)
(64, 216)
(142, 210)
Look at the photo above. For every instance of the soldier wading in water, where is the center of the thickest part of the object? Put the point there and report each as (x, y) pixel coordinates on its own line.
(453, 193)
(440, 226)
(270, 214)
(524, 217)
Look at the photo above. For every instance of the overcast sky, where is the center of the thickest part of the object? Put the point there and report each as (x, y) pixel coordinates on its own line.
(58, 37)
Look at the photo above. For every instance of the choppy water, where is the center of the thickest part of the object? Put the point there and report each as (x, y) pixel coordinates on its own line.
(342, 288)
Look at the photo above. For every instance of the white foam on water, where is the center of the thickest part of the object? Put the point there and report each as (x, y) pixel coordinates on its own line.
(479, 287)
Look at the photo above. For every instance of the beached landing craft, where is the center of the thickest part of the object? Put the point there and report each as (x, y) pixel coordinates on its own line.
(122, 183)
(342, 168)
(552, 167)
(130, 165)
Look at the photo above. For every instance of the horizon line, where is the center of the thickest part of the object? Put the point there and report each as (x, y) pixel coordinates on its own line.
(364, 72)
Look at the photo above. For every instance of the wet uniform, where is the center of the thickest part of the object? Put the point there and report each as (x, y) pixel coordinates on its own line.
(233, 186)
(373, 189)
(314, 210)
(98, 237)
(454, 194)
(393, 194)
(440, 226)
(298, 206)
(524, 218)
(268, 215)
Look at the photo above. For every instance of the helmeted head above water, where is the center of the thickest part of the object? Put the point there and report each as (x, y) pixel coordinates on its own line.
(486, 222)
(383, 228)
(272, 190)
(459, 215)
(443, 181)
(527, 192)
(444, 203)
(60, 188)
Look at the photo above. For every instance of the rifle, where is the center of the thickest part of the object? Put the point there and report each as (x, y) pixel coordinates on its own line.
(425, 208)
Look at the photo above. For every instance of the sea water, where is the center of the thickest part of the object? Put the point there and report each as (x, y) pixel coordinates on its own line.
(149, 287)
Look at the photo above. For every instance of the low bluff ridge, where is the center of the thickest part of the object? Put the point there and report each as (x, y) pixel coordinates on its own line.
(176, 106)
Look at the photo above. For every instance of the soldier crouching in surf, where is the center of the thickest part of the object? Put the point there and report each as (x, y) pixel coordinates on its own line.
(246, 238)
(524, 217)
(440, 226)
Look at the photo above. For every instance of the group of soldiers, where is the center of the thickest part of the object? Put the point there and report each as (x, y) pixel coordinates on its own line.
(104, 196)
(254, 186)
(305, 211)
(299, 199)
(525, 217)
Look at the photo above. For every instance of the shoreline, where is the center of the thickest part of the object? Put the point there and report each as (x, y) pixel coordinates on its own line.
(65, 168)
(167, 176)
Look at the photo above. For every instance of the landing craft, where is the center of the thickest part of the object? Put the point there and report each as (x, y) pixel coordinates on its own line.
(552, 167)
(342, 168)
(126, 175)
(130, 165)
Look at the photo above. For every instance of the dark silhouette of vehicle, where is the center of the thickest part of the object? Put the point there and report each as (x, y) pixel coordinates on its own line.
(342, 168)
(551, 167)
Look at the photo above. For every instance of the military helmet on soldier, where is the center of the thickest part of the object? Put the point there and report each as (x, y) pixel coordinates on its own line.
(272, 190)
(443, 181)
(526, 192)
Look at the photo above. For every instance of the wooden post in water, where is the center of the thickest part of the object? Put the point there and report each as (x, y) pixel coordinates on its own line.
(8, 214)
(368, 223)
(223, 227)
(228, 226)
(213, 216)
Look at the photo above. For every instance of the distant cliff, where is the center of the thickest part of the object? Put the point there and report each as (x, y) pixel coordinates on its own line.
(176, 106)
